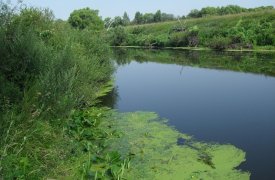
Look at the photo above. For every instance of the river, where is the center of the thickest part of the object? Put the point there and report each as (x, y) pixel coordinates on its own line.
(228, 98)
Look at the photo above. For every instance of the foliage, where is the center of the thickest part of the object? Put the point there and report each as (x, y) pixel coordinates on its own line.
(47, 69)
(138, 18)
(246, 31)
(219, 43)
(224, 10)
(126, 19)
(86, 18)
(118, 36)
(178, 39)
(152, 17)
(90, 134)
(157, 16)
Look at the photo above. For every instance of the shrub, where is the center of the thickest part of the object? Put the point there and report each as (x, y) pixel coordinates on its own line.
(160, 41)
(219, 43)
(178, 39)
(118, 36)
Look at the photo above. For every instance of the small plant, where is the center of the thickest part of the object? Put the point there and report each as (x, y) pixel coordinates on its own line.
(85, 128)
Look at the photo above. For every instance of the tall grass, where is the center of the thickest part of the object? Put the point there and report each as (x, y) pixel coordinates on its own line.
(47, 69)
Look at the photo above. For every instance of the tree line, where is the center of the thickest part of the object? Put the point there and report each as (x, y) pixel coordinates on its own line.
(224, 10)
(158, 16)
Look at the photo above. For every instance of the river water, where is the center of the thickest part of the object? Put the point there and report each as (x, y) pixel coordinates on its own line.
(228, 98)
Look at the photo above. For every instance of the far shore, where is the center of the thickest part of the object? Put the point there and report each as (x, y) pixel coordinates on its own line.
(258, 49)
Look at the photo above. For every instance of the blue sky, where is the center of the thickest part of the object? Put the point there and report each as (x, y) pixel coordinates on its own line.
(111, 8)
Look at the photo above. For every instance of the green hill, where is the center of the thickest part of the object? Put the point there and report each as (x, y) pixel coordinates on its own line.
(245, 30)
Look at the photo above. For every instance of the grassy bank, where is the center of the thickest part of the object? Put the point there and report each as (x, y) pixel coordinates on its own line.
(47, 69)
(254, 30)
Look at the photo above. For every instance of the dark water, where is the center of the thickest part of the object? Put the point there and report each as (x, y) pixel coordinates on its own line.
(209, 101)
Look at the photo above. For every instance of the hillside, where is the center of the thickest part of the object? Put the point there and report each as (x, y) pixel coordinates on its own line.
(238, 31)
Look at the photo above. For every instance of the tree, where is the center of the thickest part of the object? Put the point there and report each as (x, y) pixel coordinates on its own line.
(125, 19)
(209, 11)
(148, 18)
(86, 18)
(157, 16)
(167, 17)
(107, 22)
(117, 21)
(194, 13)
(138, 18)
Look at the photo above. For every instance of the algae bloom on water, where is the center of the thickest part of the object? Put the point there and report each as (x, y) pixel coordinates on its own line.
(156, 153)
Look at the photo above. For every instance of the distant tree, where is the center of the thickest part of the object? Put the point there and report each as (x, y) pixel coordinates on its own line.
(138, 18)
(209, 11)
(157, 16)
(107, 22)
(167, 17)
(148, 17)
(231, 9)
(194, 13)
(86, 18)
(117, 21)
(125, 19)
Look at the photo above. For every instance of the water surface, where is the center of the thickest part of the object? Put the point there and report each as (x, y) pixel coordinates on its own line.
(204, 94)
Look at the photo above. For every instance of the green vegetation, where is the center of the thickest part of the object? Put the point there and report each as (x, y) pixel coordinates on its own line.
(141, 146)
(53, 75)
(86, 18)
(159, 16)
(224, 10)
(251, 30)
(47, 69)
(156, 154)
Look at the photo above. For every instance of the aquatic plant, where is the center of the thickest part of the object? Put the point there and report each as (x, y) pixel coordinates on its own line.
(157, 155)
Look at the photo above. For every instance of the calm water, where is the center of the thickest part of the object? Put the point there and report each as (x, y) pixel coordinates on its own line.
(211, 104)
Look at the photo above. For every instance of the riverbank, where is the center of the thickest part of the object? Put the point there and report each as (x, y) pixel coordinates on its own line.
(48, 70)
(258, 49)
(239, 32)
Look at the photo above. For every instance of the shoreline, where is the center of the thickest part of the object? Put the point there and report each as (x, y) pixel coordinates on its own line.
(196, 49)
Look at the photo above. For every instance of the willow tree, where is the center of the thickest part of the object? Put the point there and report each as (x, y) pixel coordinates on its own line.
(86, 18)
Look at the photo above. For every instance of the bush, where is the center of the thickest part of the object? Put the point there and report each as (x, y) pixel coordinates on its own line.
(219, 43)
(178, 39)
(118, 36)
(160, 41)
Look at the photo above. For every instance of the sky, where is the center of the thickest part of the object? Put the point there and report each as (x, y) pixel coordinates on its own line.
(111, 8)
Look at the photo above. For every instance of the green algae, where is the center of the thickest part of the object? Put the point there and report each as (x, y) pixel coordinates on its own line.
(156, 154)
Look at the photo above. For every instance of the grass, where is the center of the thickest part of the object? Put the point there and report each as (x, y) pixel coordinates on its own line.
(244, 31)
(47, 70)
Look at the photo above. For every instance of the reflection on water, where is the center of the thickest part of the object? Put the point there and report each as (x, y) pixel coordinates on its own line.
(205, 94)
(263, 63)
